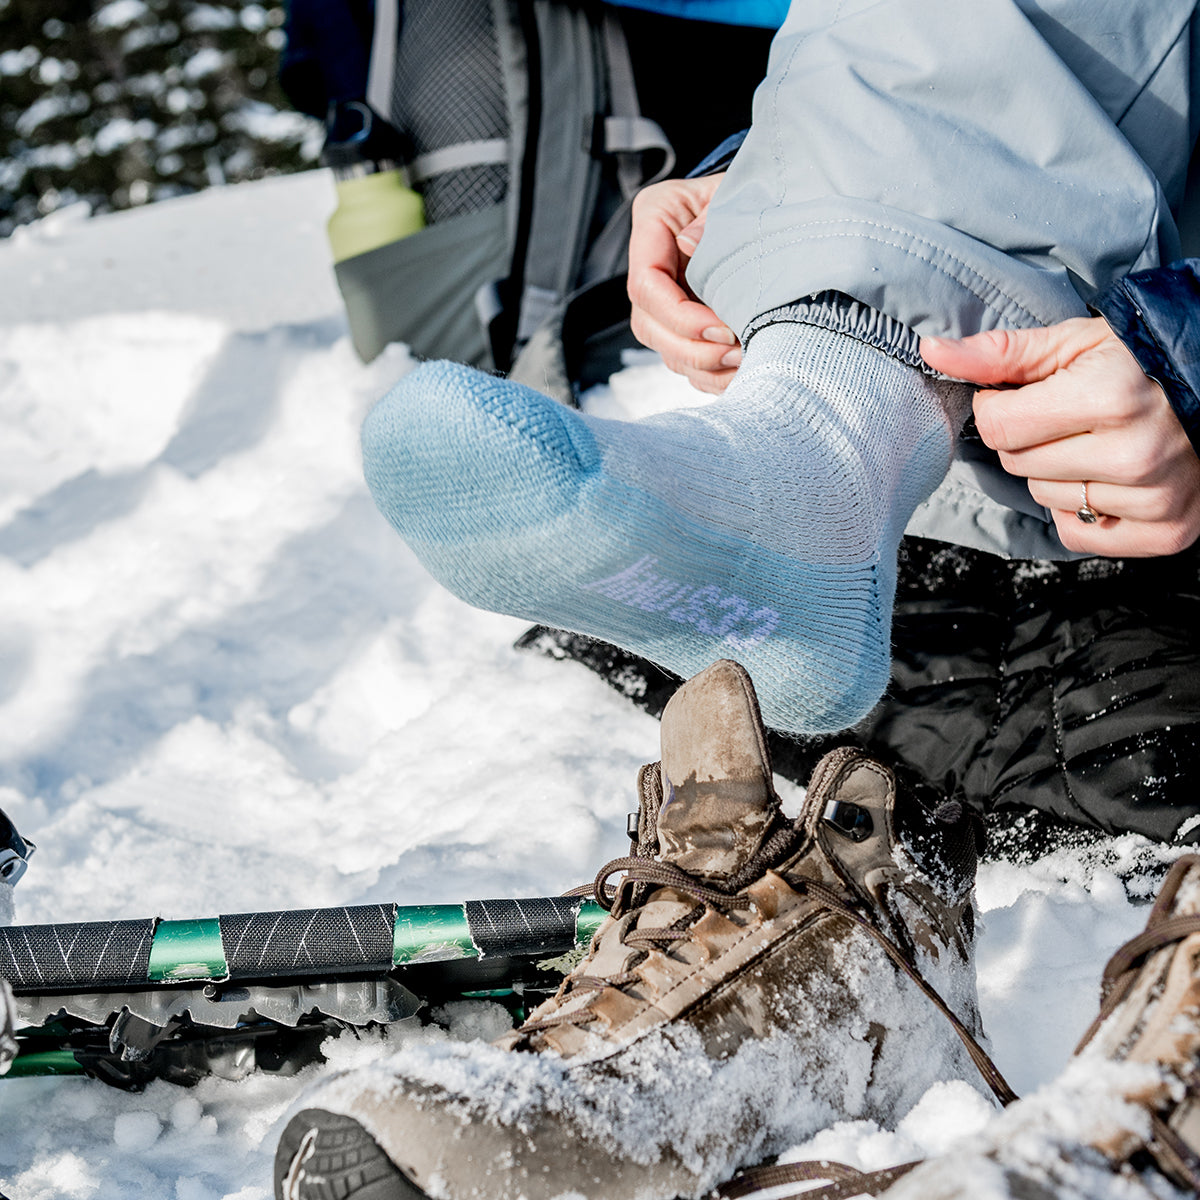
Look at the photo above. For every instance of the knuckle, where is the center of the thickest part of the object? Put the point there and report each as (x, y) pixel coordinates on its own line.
(1174, 537)
(1040, 493)
(647, 197)
(705, 381)
(1006, 343)
(1012, 464)
(706, 356)
(1071, 533)
(1158, 506)
(1000, 345)
(1016, 351)
(992, 426)
(1106, 402)
(689, 358)
(1171, 502)
(638, 288)
(1170, 460)
(1134, 462)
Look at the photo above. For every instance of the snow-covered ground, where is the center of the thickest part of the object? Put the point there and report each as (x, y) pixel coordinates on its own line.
(225, 684)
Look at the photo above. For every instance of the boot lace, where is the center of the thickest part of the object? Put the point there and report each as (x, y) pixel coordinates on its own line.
(650, 873)
(1172, 1153)
(641, 875)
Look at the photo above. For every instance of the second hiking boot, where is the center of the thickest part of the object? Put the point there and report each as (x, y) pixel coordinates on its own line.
(758, 979)
(1122, 1120)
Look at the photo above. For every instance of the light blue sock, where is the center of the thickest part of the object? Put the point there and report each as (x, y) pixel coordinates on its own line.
(763, 527)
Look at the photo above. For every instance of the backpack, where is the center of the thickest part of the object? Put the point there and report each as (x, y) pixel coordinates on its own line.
(523, 124)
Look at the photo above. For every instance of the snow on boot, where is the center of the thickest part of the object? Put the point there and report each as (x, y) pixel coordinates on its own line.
(758, 979)
(1122, 1121)
(8, 1041)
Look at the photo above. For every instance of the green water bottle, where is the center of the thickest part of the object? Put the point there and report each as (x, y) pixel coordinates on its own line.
(375, 208)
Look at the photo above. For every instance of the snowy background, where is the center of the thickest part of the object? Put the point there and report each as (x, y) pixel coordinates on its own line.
(225, 685)
(118, 103)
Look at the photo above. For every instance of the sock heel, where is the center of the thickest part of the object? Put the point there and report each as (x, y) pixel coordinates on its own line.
(451, 453)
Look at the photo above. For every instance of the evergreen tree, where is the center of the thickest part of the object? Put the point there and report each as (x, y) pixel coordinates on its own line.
(120, 102)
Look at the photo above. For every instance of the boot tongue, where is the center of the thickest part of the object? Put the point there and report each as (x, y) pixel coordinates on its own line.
(719, 802)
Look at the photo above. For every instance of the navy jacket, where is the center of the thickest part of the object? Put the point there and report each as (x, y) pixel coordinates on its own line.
(1156, 314)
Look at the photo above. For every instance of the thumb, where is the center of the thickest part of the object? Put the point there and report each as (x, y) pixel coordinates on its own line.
(1016, 356)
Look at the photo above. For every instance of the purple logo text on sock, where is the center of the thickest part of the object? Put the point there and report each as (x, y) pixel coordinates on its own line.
(708, 609)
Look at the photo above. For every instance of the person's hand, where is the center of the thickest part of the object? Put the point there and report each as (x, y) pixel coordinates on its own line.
(668, 219)
(1082, 409)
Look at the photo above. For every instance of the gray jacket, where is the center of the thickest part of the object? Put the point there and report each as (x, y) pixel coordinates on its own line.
(958, 167)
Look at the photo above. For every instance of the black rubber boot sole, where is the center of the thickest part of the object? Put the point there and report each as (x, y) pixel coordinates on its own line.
(324, 1156)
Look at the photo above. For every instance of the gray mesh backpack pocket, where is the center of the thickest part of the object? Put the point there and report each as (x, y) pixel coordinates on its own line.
(521, 130)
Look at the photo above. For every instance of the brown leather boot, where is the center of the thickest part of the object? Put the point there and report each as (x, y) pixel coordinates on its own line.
(1122, 1121)
(758, 979)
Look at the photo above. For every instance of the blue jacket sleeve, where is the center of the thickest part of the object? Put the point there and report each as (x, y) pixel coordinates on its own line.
(1156, 314)
(719, 159)
(764, 14)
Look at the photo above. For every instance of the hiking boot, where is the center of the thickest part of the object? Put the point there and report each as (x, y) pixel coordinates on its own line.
(1123, 1118)
(758, 979)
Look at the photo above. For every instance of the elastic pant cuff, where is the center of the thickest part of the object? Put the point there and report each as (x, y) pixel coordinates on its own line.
(843, 314)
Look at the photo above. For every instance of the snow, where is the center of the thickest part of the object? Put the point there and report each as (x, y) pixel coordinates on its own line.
(17, 62)
(121, 131)
(44, 109)
(226, 685)
(208, 18)
(206, 61)
(119, 14)
(272, 124)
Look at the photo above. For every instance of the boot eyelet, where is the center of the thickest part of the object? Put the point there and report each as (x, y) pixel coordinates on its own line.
(849, 820)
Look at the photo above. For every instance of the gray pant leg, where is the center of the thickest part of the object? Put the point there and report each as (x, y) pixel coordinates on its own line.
(957, 166)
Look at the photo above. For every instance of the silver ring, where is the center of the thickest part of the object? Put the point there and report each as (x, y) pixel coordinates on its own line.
(1085, 512)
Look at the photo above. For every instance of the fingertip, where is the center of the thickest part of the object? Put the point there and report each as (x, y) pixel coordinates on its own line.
(719, 333)
(951, 358)
(939, 350)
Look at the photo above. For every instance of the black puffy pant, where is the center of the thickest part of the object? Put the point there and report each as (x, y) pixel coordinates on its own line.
(1071, 688)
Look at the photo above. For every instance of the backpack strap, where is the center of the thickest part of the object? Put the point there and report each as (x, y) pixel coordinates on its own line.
(382, 66)
(577, 148)
(628, 134)
(485, 152)
(561, 174)
(586, 64)
(381, 84)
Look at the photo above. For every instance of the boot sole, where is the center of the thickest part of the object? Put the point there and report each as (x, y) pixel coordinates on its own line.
(325, 1156)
